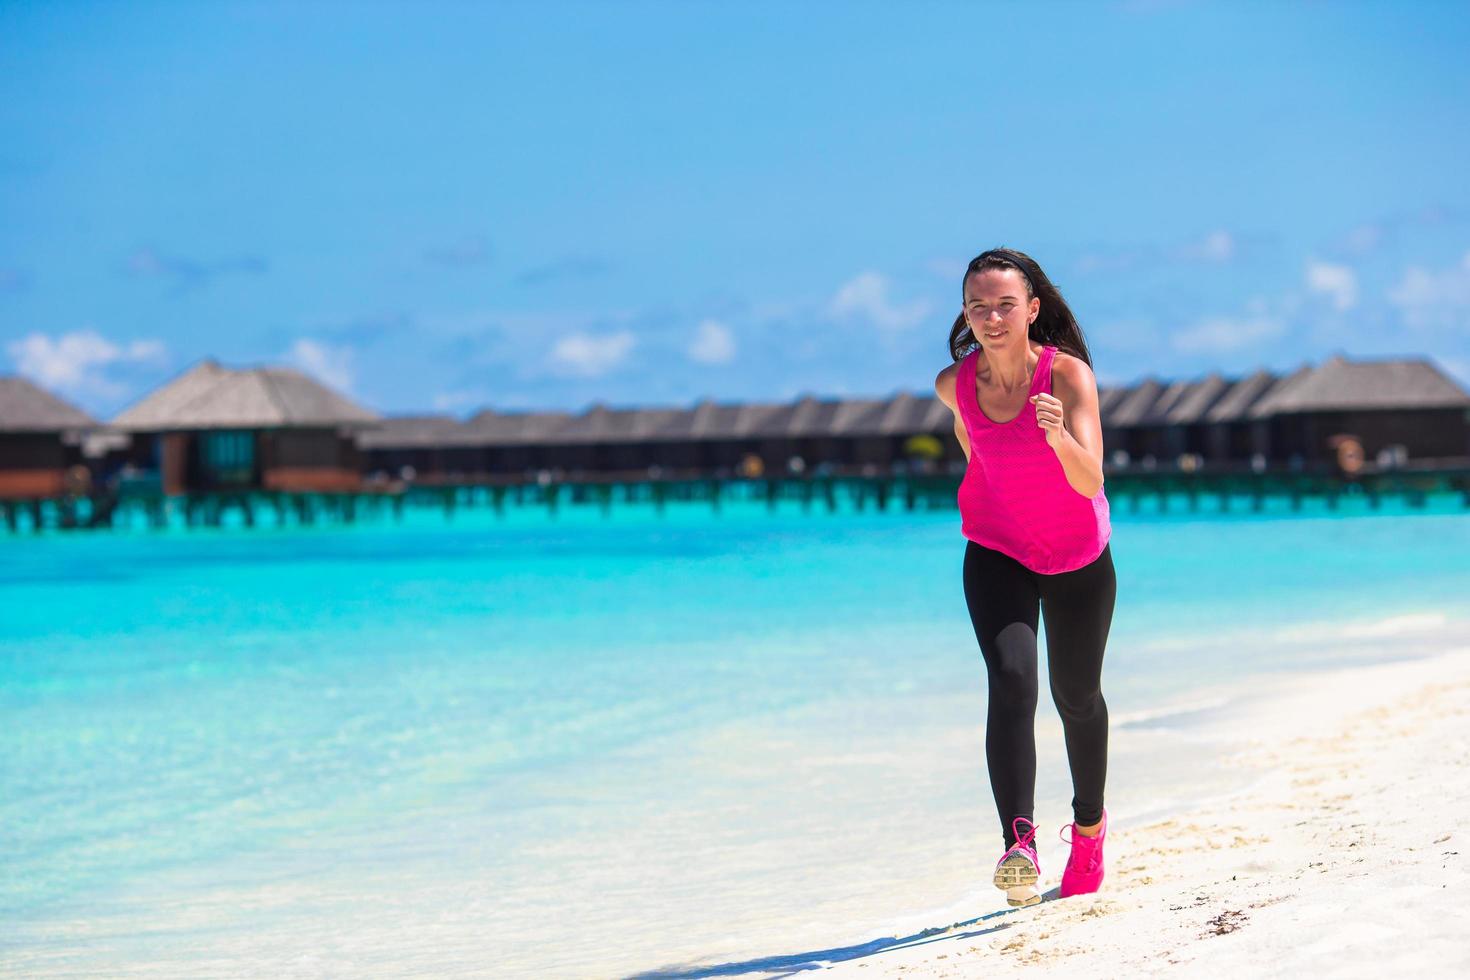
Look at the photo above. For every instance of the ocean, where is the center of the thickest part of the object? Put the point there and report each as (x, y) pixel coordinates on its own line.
(692, 743)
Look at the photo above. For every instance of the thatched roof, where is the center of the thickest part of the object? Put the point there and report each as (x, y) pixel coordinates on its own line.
(419, 431)
(765, 420)
(1337, 384)
(601, 424)
(1342, 385)
(907, 414)
(518, 428)
(24, 407)
(708, 419)
(810, 416)
(209, 396)
(1196, 400)
(1110, 398)
(1158, 412)
(1211, 399)
(1134, 405)
(1234, 405)
(858, 417)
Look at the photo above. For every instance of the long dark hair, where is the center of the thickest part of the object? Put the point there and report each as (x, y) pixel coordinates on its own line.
(1054, 324)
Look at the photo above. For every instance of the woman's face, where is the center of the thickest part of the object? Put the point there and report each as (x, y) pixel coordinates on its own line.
(996, 307)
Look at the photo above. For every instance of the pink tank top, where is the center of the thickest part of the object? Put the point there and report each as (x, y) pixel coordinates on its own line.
(1015, 497)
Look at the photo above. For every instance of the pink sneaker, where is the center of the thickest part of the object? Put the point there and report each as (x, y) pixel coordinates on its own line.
(1084, 871)
(1018, 869)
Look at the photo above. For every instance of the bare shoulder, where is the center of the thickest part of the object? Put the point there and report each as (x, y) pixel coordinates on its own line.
(944, 384)
(1072, 374)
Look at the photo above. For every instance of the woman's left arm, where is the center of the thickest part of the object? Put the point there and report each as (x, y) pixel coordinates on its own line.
(1073, 424)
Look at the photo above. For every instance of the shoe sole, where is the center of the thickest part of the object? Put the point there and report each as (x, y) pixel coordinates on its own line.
(1018, 877)
(1015, 870)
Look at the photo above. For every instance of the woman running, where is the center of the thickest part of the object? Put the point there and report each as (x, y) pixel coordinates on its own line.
(1033, 511)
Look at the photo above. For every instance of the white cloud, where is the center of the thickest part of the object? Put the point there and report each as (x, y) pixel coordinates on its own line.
(76, 362)
(1338, 282)
(1427, 299)
(713, 343)
(866, 296)
(1217, 246)
(1216, 335)
(330, 364)
(589, 356)
(1363, 238)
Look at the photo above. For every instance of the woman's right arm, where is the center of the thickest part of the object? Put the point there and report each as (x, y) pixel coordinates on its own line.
(944, 387)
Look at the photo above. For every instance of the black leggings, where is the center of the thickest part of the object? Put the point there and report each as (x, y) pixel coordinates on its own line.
(1077, 606)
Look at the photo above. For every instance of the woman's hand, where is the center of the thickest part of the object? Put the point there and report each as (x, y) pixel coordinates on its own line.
(1049, 417)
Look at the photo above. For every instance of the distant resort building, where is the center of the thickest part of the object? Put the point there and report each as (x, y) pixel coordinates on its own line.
(1407, 409)
(40, 442)
(265, 428)
(440, 446)
(1395, 411)
(220, 430)
(710, 438)
(1154, 421)
(1401, 409)
(428, 444)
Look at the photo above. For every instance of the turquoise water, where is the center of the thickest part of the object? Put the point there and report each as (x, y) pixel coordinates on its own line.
(584, 745)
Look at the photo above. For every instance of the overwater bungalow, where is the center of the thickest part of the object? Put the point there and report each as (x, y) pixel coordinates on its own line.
(1109, 397)
(1402, 409)
(761, 431)
(1125, 421)
(808, 430)
(1185, 429)
(906, 416)
(855, 432)
(408, 445)
(709, 438)
(1231, 433)
(518, 442)
(603, 439)
(238, 429)
(40, 442)
(1154, 423)
(1260, 420)
(713, 437)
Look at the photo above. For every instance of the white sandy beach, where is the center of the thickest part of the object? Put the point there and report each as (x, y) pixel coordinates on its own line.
(1346, 856)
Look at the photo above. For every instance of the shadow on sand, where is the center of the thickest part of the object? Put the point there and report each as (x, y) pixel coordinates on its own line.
(787, 964)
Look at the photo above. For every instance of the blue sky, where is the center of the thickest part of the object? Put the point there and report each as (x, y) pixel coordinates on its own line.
(445, 207)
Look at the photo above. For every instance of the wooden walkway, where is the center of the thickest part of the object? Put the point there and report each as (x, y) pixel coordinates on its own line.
(1135, 490)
